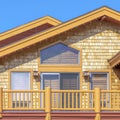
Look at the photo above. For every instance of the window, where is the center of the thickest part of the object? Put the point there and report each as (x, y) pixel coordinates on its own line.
(99, 80)
(51, 80)
(64, 81)
(20, 81)
(69, 81)
(59, 54)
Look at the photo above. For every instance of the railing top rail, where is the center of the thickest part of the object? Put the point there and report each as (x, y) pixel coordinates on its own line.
(81, 91)
(24, 91)
(111, 91)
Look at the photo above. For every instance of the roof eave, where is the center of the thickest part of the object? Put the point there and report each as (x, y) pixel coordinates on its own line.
(59, 29)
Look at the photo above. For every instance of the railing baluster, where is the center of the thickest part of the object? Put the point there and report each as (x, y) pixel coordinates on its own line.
(65, 100)
(60, 99)
(114, 100)
(31, 99)
(68, 100)
(72, 99)
(53, 100)
(38, 100)
(106, 100)
(117, 100)
(23, 96)
(84, 100)
(15, 99)
(92, 100)
(57, 100)
(102, 101)
(76, 99)
(19, 100)
(28, 100)
(81, 100)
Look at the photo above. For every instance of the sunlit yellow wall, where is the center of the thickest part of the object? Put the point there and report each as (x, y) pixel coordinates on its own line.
(99, 41)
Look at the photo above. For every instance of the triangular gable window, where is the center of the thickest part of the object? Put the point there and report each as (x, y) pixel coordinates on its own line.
(59, 54)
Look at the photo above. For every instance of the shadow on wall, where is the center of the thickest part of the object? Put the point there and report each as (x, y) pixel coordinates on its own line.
(77, 34)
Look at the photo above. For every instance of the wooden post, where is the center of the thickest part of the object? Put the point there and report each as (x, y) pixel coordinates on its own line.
(1, 101)
(48, 103)
(97, 103)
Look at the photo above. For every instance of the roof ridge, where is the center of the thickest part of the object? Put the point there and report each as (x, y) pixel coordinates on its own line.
(60, 29)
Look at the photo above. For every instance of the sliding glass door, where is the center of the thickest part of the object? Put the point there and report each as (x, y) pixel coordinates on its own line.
(57, 81)
(51, 80)
(61, 81)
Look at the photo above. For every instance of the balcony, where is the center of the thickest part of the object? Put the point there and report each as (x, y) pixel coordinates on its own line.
(95, 101)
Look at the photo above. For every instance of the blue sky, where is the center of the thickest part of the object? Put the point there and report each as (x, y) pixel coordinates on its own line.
(14, 13)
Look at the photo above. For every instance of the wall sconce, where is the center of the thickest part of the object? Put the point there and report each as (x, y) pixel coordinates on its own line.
(36, 76)
(35, 73)
(86, 75)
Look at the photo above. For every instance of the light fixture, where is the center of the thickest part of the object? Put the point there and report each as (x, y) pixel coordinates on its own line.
(35, 73)
(36, 76)
(86, 76)
(86, 73)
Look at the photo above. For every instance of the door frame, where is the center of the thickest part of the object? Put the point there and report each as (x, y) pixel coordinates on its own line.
(108, 77)
(42, 81)
(58, 73)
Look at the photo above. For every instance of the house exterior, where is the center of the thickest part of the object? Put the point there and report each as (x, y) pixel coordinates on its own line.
(53, 70)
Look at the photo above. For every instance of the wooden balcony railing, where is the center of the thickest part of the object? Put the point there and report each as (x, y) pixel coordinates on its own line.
(60, 100)
(23, 100)
(72, 100)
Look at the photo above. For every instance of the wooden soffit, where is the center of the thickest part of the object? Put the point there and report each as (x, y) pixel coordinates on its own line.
(28, 26)
(115, 60)
(104, 11)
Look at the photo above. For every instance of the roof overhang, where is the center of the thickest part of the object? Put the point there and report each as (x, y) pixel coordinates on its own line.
(115, 60)
(30, 25)
(104, 11)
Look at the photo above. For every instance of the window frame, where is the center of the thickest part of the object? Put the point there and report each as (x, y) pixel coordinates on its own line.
(94, 73)
(42, 81)
(21, 70)
(58, 73)
(9, 81)
(70, 46)
(108, 71)
(56, 68)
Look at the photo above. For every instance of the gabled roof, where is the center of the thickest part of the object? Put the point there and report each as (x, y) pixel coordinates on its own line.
(30, 25)
(103, 13)
(115, 60)
(27, 30)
